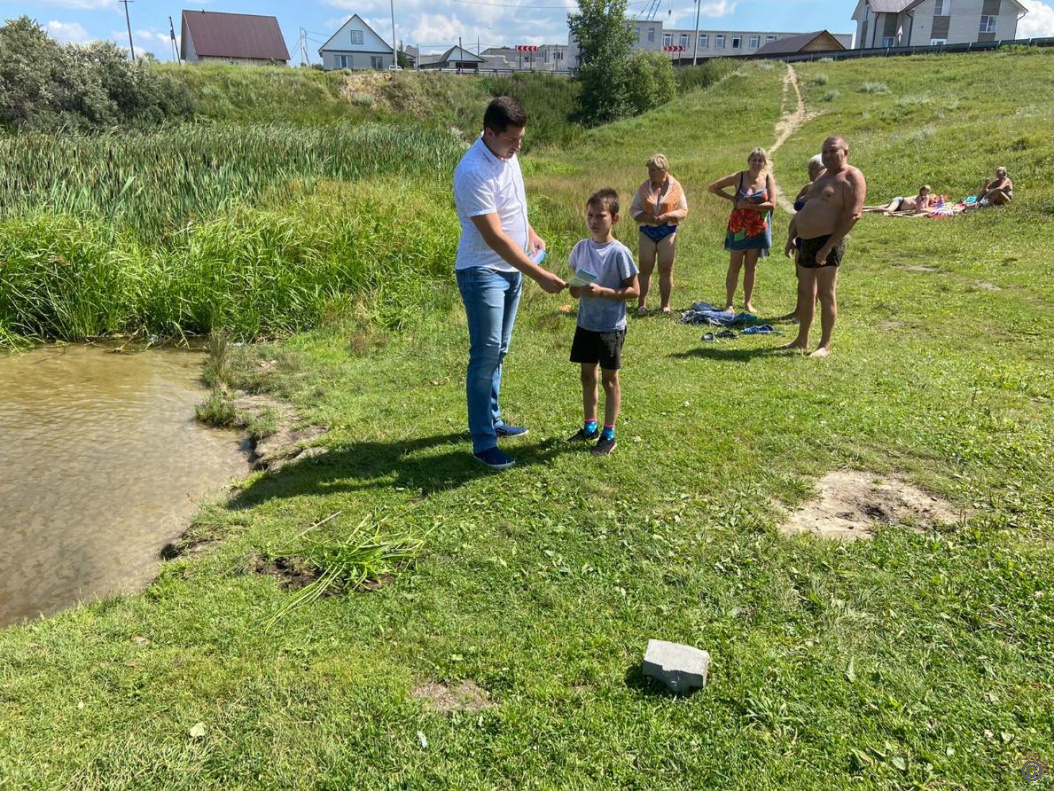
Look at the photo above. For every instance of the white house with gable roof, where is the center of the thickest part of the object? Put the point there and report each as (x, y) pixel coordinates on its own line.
(356, 46)
(913, 23)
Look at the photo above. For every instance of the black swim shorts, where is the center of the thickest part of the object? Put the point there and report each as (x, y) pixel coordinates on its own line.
(810, 247)
(598, 347)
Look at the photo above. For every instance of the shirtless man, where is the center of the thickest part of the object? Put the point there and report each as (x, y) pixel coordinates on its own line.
(834, 203)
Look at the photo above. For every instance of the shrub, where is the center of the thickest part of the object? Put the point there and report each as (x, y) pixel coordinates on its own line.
(45, 85)
(874, 87)
(649, 81)
(830, 95)
(819, 79)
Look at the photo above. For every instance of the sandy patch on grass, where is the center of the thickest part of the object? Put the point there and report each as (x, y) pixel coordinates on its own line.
(789, 123)
(851, 504)
(466, 696)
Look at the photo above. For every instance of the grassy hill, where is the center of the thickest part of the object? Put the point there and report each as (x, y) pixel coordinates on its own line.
(913, 660)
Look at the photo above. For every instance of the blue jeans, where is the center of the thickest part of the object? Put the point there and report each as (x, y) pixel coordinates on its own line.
(491, 299)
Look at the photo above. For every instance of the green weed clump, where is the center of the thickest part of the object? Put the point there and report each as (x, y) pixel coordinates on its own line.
(820, 79)
(830, 96)
(874, 87)
(347, 565)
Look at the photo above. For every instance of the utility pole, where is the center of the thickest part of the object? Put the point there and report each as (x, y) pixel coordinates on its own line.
(395, 54)
(175, 48)
(304, 59)
(128, 19)
(695, 46)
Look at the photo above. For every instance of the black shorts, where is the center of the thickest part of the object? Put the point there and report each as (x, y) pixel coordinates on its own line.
(810, 247)
(598, 347)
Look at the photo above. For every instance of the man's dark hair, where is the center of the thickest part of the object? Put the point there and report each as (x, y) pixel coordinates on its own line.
(604, 199)
(502, 113)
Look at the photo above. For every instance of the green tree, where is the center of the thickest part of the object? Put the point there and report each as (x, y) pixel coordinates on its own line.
(604, 42)
(650, 81)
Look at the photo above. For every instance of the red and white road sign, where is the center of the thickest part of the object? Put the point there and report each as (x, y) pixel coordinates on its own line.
(675, 48)
(526, 47)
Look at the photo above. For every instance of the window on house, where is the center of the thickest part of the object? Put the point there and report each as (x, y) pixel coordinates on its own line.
(937, 42)
(942, 8)
(704, 41)
(755, 42)
(356, 36)
(769, 39)
(888, 41)
(685, 40)
(651, 35)
(988, 24)
(736, 41)
(638, 35)
(377, 62)
(667, 39)
(342, 61)
(719, 41)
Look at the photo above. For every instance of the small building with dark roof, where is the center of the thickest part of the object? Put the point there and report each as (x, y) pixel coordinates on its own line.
(454, 58)
(216, 37)
(820, 41)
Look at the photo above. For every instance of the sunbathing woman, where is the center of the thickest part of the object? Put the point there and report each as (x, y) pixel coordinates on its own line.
(920, 204)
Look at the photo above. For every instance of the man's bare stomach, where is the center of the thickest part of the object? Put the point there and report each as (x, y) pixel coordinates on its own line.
(817, 218)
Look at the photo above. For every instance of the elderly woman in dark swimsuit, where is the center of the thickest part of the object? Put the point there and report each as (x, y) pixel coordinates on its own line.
(658, 208)
(749, 233)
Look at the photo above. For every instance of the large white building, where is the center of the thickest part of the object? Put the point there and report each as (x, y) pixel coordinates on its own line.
(914, 23)
(650, 36)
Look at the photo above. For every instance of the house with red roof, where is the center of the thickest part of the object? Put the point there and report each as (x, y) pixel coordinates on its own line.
(216, 37)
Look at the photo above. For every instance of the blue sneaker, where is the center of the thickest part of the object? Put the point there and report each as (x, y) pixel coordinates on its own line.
(505, 430)
(494, 458)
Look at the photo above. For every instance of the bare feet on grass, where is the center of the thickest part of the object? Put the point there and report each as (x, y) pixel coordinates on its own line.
(820, 353)
(730, 309)
(797, 346)
(749, 309)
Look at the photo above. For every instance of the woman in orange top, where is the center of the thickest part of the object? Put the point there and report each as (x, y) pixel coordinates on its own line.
(658, 208)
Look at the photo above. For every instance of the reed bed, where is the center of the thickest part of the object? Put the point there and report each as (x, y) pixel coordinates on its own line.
(158, 182)
(257, 230)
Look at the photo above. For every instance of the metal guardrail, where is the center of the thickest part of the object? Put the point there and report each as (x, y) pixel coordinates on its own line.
(882, 52)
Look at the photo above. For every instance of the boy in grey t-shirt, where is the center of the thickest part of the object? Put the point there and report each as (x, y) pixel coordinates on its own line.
(601, 316)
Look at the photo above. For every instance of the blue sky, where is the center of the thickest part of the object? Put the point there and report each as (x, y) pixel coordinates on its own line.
(436, 24)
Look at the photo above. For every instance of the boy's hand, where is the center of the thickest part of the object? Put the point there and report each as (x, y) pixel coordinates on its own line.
(576, 292)
(593, 290)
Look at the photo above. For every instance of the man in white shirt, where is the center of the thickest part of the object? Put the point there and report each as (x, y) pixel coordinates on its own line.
(496, 246)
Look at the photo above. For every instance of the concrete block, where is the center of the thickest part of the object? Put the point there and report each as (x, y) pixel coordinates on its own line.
(679, 667)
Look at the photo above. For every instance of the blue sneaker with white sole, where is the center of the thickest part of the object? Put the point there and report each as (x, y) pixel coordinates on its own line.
(494, 458)
(504, 430)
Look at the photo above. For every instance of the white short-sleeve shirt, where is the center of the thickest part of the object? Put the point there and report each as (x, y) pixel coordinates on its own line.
(485, 184)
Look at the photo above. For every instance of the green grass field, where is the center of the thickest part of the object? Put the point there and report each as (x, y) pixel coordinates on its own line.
(914, 660)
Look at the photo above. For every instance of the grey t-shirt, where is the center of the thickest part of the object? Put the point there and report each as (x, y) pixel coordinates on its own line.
(612, 263)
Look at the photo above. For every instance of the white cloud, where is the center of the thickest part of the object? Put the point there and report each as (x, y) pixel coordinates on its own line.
(81, 5)
(1038, 22)
(718, 8)
(152, 41)
(68, 32)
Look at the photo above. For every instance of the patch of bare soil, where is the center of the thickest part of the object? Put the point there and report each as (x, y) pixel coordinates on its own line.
(851, 504)
(466, 696)
(287, 443)
(923, 269)
(987, 287)
(292, 573)
(788, 124)
(368, 83)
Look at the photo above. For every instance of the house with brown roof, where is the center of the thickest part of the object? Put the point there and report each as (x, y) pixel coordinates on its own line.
(914, 23)
(216, 37)
(820, 41)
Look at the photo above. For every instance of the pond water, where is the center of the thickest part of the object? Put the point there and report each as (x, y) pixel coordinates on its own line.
(102, 463)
